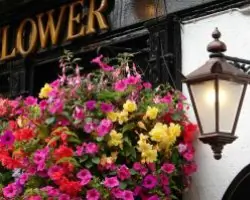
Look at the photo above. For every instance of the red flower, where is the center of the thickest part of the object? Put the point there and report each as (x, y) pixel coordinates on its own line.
(24, 134)
(189, 169)
(72, 188)
(62, 152)
(189, 132)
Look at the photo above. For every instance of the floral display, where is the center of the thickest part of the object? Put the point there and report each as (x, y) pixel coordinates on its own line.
(104, 135)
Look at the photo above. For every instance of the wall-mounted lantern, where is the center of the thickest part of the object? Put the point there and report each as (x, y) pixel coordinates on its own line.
(217, 91)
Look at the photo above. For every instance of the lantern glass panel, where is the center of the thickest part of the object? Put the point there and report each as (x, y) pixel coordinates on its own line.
(204, 97)
(229, 99)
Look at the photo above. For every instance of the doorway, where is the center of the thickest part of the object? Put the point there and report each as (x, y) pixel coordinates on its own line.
(239, 188)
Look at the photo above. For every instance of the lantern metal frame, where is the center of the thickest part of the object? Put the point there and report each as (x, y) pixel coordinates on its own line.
(215, 69)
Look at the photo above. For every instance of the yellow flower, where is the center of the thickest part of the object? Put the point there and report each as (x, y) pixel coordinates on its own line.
(174, 130)
(150, 156)
(123, 117)
(143, 146)
(104, 160)
(112, 116)
(158, 133)
(152, 112)
(130, 106)
(141, 125)
(22, 121)
(44, 93)
(115, 139)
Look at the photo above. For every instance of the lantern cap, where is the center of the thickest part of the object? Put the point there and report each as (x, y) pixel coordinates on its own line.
(216, 46)
(217, 66)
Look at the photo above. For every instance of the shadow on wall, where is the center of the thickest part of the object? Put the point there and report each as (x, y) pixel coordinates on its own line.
(239, 188)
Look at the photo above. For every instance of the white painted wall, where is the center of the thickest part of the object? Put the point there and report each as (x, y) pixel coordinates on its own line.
(214, 177)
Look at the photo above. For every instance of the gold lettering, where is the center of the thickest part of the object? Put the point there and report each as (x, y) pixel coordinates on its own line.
(32, 37)
(99, 16)
(4, 54)
(73, 20)
(51, 28)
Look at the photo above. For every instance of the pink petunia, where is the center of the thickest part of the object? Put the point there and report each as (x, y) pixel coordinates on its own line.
(189, 156)
(128, 195)
(90, 105)
(168, 168)
(102, 65)
(30, 101)
(93, 194)
(85, 176)
(78, 113)
(123, 173)
(91, 148)
(120, 86)
(10, 191)
(89, 127)
(117, 193)
(106, 107)
(149, 182)
(111, 182)
(104, 127)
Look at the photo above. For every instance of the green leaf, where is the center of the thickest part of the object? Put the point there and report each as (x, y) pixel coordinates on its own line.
(88, 164)
(74, 140)
(123, 185)
(50, 120)
(128, 127)
(133, 172)
(69, 159)
(99, 139)
(43, 132)
(54, 139)
(83, 159)
(96, 160)
(71, 133)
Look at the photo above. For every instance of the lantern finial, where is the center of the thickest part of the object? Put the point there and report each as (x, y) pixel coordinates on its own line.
(216, 47)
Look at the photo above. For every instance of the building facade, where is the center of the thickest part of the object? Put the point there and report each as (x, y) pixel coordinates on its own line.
(167, 37)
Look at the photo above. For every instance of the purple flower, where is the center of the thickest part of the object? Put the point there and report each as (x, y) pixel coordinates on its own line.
(92, 194)
(30, 101)
(104, 127)
(90, 105)
(7, 138)
(10, 191)
(106, 107)
(149, 182)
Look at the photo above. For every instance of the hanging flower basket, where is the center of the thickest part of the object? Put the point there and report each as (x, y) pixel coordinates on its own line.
(106, 135)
